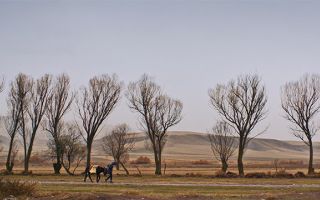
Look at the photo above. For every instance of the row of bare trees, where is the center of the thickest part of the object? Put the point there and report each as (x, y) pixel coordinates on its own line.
(242, 105)
(44, 103)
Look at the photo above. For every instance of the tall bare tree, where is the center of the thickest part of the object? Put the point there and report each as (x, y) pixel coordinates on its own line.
(31, 119)
(222, 143)
(17, 101)
(95, 104)
(59, 102)
(242, 104)
(118, 144)
(157, 111)
(301, 103)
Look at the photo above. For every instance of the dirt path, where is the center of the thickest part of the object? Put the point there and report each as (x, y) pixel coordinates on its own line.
(184, 184)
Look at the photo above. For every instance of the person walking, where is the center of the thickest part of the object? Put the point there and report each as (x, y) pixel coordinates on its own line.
(109, 169)
(87, 173)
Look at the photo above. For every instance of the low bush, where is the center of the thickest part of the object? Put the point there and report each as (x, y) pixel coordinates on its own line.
(231, 175)
(176, 175)
(16, 188)
(141, 160)
(257, 175)
(299, 175)
(221, 174)
(283, 174)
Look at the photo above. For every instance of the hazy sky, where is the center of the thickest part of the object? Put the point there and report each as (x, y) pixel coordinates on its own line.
(187, 46)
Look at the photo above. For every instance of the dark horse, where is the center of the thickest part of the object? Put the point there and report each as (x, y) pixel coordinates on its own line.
(100, 170)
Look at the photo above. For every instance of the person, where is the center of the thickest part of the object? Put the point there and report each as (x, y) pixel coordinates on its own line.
(109, 169)
(87, 173)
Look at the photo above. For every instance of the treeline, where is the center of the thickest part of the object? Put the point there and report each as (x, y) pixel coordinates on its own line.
(42, 103)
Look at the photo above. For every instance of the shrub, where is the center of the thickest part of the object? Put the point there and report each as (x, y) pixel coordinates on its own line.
(221, 174)
(283, 174)
(200, 162)
(141, 160)
(299, 175)
(176, 175)
(231, 175)
(256, 175)
(16, 188)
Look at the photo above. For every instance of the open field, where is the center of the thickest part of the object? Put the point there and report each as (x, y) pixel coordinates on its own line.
(189, 173)
(167, 187)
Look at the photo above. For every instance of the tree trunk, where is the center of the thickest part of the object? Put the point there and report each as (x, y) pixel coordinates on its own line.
(158, 167)
(158, 163)
(89, 145)
(310, 169)
(224, 166)
(27, 160)
(9, 163)
(26, 164)
(240, 163)
(57, 166)
(117, 165)
(125, 169)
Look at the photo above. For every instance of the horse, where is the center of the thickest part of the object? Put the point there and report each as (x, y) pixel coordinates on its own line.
(100, 170)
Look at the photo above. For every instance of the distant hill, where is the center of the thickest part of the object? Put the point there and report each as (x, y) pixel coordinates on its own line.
(193, 145)
(186, 145)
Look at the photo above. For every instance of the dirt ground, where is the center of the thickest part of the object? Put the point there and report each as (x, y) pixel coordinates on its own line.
(88, 196)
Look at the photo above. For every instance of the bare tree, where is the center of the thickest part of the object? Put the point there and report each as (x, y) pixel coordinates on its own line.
(31, 119)
(222, 143)
(157, 111)
(276, 164)
(95, 104)
(72, 149)
(242, 104)
(301, 102)
(118, 144)
(17, 102)
(59, 102)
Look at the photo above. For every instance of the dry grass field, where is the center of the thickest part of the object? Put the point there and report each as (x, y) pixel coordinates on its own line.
(189, 173)
(168, 187)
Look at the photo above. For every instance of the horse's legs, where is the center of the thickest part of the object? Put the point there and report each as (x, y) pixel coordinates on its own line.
(98, 177)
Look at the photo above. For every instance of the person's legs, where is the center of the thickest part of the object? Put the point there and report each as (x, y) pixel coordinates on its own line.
(87, 174)
(90, 177)
(85, 177)
(98, 177)
(110, 177)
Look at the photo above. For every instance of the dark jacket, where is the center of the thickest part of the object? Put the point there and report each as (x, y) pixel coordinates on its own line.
(109, 169)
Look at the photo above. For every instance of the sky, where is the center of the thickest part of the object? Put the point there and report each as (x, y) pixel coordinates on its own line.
(186, 46)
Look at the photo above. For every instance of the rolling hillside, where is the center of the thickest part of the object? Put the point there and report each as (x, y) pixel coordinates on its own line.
(183, 145)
